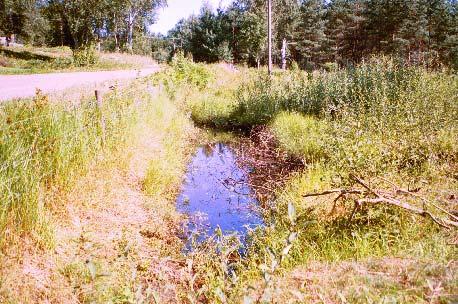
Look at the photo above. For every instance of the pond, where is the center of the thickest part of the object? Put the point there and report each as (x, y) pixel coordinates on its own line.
(216, 193)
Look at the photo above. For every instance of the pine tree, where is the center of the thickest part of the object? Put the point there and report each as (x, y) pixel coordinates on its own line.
(346, 31)
(383, 20)
(450, 46)
(439, 22)
(311, 37)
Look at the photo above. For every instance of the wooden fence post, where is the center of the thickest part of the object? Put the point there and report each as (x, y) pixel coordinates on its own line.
(99, 100)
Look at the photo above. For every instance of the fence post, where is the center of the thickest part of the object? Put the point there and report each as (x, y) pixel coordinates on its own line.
(99, 100)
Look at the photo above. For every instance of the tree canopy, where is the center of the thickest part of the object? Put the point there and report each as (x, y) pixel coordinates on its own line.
(78, 23)
(317, 31)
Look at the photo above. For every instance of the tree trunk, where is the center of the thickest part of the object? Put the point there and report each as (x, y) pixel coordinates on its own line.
(130, 31)
(116, 34)
(269, 34)
(283, 55)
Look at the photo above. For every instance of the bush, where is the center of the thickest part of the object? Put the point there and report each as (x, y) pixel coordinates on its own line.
(183, 72)
(85, 56)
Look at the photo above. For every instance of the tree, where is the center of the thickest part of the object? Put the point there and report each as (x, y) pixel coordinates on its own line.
(346, 30)
(311, 33)
(25, 19)
(251, 38)
(450, 54)
(137, 13)
(79, 23)
(411, 40)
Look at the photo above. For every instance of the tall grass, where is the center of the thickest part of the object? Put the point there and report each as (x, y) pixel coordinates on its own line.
(44, 146)
(380, 111)
(377, 120)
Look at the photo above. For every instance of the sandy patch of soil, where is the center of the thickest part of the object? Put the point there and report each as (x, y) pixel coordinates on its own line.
(112, 243)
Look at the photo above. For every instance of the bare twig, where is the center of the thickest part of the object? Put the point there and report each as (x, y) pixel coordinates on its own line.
(385, 197)
(362, 183)
(404, 191)
(340, 191)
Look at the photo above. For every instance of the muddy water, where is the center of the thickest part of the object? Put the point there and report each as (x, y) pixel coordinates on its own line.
(216, 193)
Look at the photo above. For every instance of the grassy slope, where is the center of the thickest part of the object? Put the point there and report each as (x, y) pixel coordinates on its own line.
(99, 205)
(32, 60)
(383, 122)
(386, 122)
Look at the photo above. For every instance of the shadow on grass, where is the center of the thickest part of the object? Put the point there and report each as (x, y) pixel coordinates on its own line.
(25, 55)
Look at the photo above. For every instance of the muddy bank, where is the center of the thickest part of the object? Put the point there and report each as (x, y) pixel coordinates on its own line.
(271, 166)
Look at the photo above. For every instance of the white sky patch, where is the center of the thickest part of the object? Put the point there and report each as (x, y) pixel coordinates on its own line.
(178, 9)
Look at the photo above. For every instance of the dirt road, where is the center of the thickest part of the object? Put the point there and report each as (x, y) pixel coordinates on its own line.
(21, 86)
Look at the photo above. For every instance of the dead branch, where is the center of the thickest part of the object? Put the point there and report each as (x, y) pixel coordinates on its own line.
(384, 197)
(340, 191)
(392, 201)
(404, 191)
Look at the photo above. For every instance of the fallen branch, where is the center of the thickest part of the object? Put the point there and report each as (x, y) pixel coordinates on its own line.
(384, 197)
(340, 191)
(441, 222)
(404, 191)
(392, 201)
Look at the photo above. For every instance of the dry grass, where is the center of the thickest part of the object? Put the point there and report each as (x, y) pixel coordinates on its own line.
(113, 241)
(123, 58)
(103, 220)
(386, 280)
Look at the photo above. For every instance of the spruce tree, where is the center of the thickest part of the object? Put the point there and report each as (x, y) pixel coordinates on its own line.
(311, 34)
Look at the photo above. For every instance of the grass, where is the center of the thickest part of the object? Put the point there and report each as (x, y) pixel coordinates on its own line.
(31, 60)
(381, 121)
(78, 171)
(46, 146)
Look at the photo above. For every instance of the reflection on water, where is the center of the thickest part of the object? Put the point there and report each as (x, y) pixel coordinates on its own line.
(216, 193)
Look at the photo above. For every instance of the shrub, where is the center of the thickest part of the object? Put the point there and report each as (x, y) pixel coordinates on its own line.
(85, 56)
(183, 72)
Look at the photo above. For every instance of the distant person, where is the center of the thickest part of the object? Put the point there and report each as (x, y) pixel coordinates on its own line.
(8, 40)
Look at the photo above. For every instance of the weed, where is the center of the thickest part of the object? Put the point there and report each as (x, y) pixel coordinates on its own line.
(46, 146)
(379, 119)
(85, 56)
(183, 73)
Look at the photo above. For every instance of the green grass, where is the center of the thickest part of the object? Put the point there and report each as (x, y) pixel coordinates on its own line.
(45, 146)
(166, 171)
(29, 60)
(303, 136)
(380, 120)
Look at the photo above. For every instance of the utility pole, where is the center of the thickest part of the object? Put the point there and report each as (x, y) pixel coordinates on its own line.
(269, 21)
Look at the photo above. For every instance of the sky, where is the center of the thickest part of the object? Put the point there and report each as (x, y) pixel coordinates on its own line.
(178, 9)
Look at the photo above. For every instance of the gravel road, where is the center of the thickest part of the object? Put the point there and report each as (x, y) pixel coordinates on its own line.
(21, 86)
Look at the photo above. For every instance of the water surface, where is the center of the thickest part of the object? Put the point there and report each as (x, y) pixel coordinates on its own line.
(216, 193)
